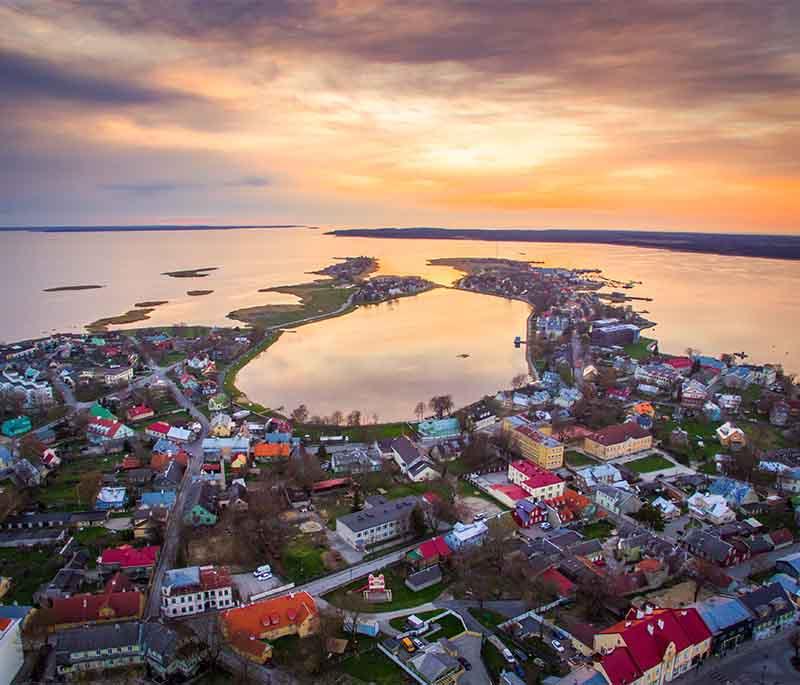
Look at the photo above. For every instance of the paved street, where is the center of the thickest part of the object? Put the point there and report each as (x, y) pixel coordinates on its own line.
(741, 571)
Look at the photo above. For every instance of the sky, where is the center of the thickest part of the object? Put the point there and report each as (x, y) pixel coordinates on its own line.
(662, 115)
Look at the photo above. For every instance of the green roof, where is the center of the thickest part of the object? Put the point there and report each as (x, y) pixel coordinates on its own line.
(98, 411)
(17, 426)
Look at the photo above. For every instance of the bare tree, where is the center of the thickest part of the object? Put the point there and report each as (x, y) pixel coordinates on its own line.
(519, 381)
(419, 411)
(354, 418)
(87, 487)
(441, 405)
(300, 415)
(337, 418)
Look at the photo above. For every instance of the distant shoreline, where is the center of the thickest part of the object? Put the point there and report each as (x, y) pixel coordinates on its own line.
(134, 228)
(725, 244)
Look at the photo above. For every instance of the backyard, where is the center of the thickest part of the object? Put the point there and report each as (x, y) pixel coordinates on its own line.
(28, 569)
(402, 596)
(448, 626)
(59, 491)
(652, 462)
(487, 618)
(577, 459)
(302, 561)
(599, 530)
(373, 666)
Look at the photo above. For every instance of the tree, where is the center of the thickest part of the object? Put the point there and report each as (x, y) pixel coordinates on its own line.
(651, 516)
(300, 415)
(441, 405)
(354, 418)
(87, 487)
(337, 418)
(419, 525)
(419, 411)
(591, 597)
(31, 447)
(476, 452)
(375, 418)
(304, 471)
(519, 381)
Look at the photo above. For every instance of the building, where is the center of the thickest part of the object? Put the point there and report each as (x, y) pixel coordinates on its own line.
(480, 417)
(652, 646)
(438, 429)
(771, 608)
(355, 458)
(729, 621)
(729, 403)
(661, 376)
(98, 648)
(194, 590)
(693, 394)
(466, 535)
(618, 441)
(139, 412)
(706, 545)
(617, 500)
(11, 656)
(711, 508)
(111, 499)
(169, 653)
(13, 428)
(731, 437)
(28, 386)
(790, 565)
(605, 474)
(534, 442)
(614, 334)
(222, 425)
(137, 562)
(119, 601)
(100, 431)
(539, 483)
(201, 510)
(735, 492)
(378, 523)
(405, 453)
(268, 451)
(246, 627)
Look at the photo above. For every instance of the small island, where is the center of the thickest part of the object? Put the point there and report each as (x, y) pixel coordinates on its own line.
(149, 304)
(349, 269)
(62, 288)
(191, 273)
(198, 293)
(131, 316)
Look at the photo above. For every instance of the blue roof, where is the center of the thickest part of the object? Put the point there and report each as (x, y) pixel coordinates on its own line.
(792, 559)
(182, 577)
(710, 361)
(13, 611)
(438, 427)
(278, 437)
(720, 613)
(732, 490)
(787, 583)
(158, 499)
(165, 446)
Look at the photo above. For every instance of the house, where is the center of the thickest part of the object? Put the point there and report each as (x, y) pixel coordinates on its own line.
(693, 394)
(480, 417)
(790, 565)
(729, 403)
(617, 500)
(466, 535)
(735, 492)
(668, 510)
(157, 430)
(731, 437)
(266, 451)
(712, 411)
(355, 458)
(533, 442)
(97, 648)
(711, 547)
(163, 498)
(194, 590)
(405, 453)
(652, 646)
(618, 441)
(436, 664)
(661, 376)
(711, 508)
(222, 425)
(137, 562)
(709, 364)
(201, 509)
(539, 483)
(375, 524)
(171, 653)
(216, 449)
(170, 478)
(109, 432)
(771, 608)
(421, 471)
(118, 601)
(111, 499)
(592, 476)
(139, 412)
(427, 577)
(790, 586)
(779, 413)
(115, 375)
(246, 627)
(429, 553)
(683, 365)
(13, 428)
(729, 621)
(11, 655)
(180, 435)
(149, 522)
(438, 429)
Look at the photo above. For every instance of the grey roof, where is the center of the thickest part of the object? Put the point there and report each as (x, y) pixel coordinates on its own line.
(419, 467)
(712, 546)
(424, 578)
(392, 510)
(160, 639)
(767, 602)
(406, 449)
(95, 637)
(586, 548)
(432, 665)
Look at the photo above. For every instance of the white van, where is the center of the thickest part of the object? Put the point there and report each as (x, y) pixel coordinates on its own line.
(266, 568)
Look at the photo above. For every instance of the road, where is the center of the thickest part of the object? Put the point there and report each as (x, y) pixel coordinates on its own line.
(762, 561)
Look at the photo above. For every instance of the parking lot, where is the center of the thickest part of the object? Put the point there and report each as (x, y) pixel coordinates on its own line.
(248, 585)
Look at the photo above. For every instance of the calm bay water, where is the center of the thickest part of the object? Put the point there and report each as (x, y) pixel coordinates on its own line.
(712, 303)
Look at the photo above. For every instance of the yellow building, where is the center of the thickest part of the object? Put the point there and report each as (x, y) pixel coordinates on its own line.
(618, 441)
(534, 442)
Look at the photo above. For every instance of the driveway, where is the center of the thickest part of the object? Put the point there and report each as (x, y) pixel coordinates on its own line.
(248, 585)
(469, 647)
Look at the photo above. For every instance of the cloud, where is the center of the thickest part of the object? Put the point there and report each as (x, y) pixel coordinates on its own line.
(250, 182)
(23, 77)
(145, 188)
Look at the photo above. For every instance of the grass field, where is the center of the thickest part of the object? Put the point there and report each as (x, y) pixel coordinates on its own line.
(638, 350)
(373, 666)
(302, 561)
(28, 569)
(574, 458)
(449, 626)
(599, 530)
(486, 617)
(652, 462)
(402, 597)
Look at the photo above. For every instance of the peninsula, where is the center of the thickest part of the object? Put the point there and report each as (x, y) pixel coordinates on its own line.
(729, 244)
(191, 273)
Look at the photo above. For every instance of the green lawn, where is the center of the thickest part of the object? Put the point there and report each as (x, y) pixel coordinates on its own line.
(373, 666)
(402, 596)
(302, 561)
(58, 491)
(449, 626)
(652, 462)
(487, 618)
(399, 623)
(599, 530)
(28, 569)
(638, 350)
(493, 660)
(577, 459)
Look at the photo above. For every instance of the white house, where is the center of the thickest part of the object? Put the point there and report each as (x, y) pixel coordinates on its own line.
(194, 590)
(384, 520)
(712, 508)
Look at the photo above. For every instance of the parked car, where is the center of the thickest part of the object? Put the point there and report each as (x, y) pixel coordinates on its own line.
(557, 646)
(508, 656)
(408, 645)
(419, 644)
(266, 568)
(546, 526)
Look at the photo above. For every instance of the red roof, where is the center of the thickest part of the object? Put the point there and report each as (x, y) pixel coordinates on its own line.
(330, 484)
(4, 623)
(106, 427)
(435, 547)
(647, 638)
(214, 577)
(263, 619)
(563, 585)
(131, 462)
(127, 556)
(679, 362)
(140, 411)
(106, 606)
(159, 427)
(119, 582)
(613, 435)
(513, 492)
(620, 667)
(781, 536)
(536, 476)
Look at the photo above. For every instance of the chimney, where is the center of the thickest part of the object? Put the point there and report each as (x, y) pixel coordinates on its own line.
(660, 624)
(650, 629)
(639, 614)
(649, 609)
